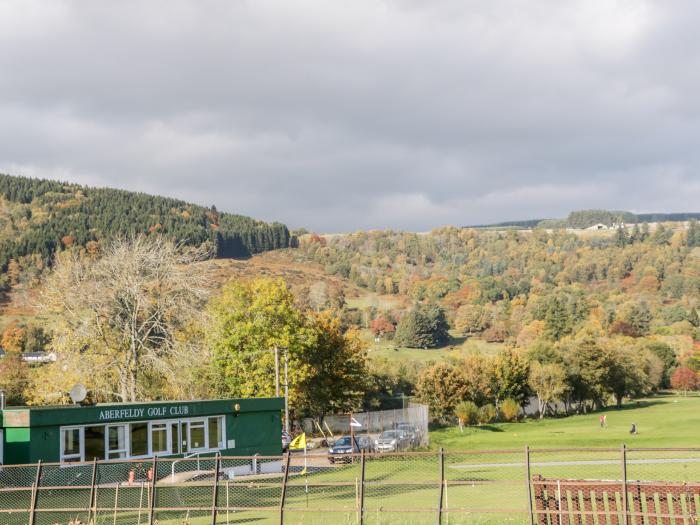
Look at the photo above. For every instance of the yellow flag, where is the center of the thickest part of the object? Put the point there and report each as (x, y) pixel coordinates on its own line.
(299, 442)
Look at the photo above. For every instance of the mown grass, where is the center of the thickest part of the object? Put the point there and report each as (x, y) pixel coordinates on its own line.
(457, 348)
(485, 488)
(662, 421)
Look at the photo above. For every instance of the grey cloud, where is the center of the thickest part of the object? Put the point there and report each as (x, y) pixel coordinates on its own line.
(364, 114)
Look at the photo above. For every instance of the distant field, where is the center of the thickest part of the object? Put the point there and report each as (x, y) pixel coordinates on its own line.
(381, 302)
(459, 347)
(663, 421)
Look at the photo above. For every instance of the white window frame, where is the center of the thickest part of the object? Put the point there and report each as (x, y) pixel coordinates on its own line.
(80, 456)
(168, 438)
(222, 426)
(205, 424)
(183, 423)
(127, 441)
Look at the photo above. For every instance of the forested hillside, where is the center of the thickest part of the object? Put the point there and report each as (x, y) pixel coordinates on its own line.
(605, 313)
(588, 218)
(39, 217)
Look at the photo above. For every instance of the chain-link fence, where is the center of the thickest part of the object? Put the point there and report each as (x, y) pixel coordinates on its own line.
(545, 486)
(407, 426)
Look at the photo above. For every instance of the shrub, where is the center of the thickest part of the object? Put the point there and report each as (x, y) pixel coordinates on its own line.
(487, 414)
(468, 413)
(510, 410)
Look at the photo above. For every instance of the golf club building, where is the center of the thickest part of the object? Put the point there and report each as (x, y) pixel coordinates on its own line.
(74, 433)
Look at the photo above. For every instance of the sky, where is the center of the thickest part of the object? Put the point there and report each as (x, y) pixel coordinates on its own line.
(338, 116)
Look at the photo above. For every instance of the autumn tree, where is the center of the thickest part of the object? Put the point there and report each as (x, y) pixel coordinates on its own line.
(442, 388)
(122, 314)
(479, 376)
(14, 377)
(511, 371)
(248, 321)
(381, 325)
(548, 382)
(469, 319)
(335, 366)
(13, 338)
(684, 379)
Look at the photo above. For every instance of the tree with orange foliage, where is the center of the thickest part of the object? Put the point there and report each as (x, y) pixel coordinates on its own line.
(13, 338)
(684, 379)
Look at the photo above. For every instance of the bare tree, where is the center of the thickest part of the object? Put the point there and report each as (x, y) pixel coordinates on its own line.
(127, 313)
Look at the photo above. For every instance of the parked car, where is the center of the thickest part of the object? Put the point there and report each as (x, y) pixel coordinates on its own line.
(286, 440)
(391, 441)
(342, 450)
(411, 431)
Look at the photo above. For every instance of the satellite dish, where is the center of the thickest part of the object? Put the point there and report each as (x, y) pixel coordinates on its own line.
(78, 393)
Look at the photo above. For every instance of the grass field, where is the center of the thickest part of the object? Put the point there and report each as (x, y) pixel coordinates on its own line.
(662, 421)
(482, 488)
(458, 347)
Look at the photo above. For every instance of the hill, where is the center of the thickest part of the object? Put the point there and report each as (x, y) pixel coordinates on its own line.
(582, 219)
(39, 217)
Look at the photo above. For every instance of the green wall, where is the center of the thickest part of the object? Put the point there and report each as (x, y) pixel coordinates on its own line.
(255, 426)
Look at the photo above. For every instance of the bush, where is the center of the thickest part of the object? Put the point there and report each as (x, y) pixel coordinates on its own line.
(468, 413)
(510, 410)
(487, 414)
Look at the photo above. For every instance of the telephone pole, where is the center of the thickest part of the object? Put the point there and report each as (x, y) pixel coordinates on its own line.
(286, 391)
(277, 372)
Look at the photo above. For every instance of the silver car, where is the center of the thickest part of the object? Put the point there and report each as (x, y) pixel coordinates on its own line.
(391, 441)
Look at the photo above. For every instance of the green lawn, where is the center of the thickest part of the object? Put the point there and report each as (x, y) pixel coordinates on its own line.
(484, 488)
(662, 421)
(458, 347)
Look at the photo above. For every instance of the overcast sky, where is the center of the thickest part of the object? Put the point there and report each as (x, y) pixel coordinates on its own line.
(344, 115)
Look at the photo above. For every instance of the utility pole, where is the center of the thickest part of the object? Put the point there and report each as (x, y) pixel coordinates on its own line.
(286, 391)
(277, 372)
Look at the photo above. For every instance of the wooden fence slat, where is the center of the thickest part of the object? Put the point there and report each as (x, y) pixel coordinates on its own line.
(584, 502)
(634, 502)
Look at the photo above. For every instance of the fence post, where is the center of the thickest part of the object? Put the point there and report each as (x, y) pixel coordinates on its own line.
(283, 497)
(529, 484)
(91, 510)
(35, 494)
(442, 485)
(217, 467)
(152, 503)
(362, 488)
(625, 503)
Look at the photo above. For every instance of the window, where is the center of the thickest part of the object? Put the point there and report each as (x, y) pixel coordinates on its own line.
(139, 439)
(174, 437)
(142, 439)
(183, 433)
(198, 435)
(94, 438)
(159, 438)
(116, 442)
(216, 432)
(71, 444)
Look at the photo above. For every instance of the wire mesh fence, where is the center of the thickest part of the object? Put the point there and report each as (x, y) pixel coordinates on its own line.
(408, 425)
(545, 487)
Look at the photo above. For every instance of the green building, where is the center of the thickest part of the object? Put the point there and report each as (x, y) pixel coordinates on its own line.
(66, 434)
